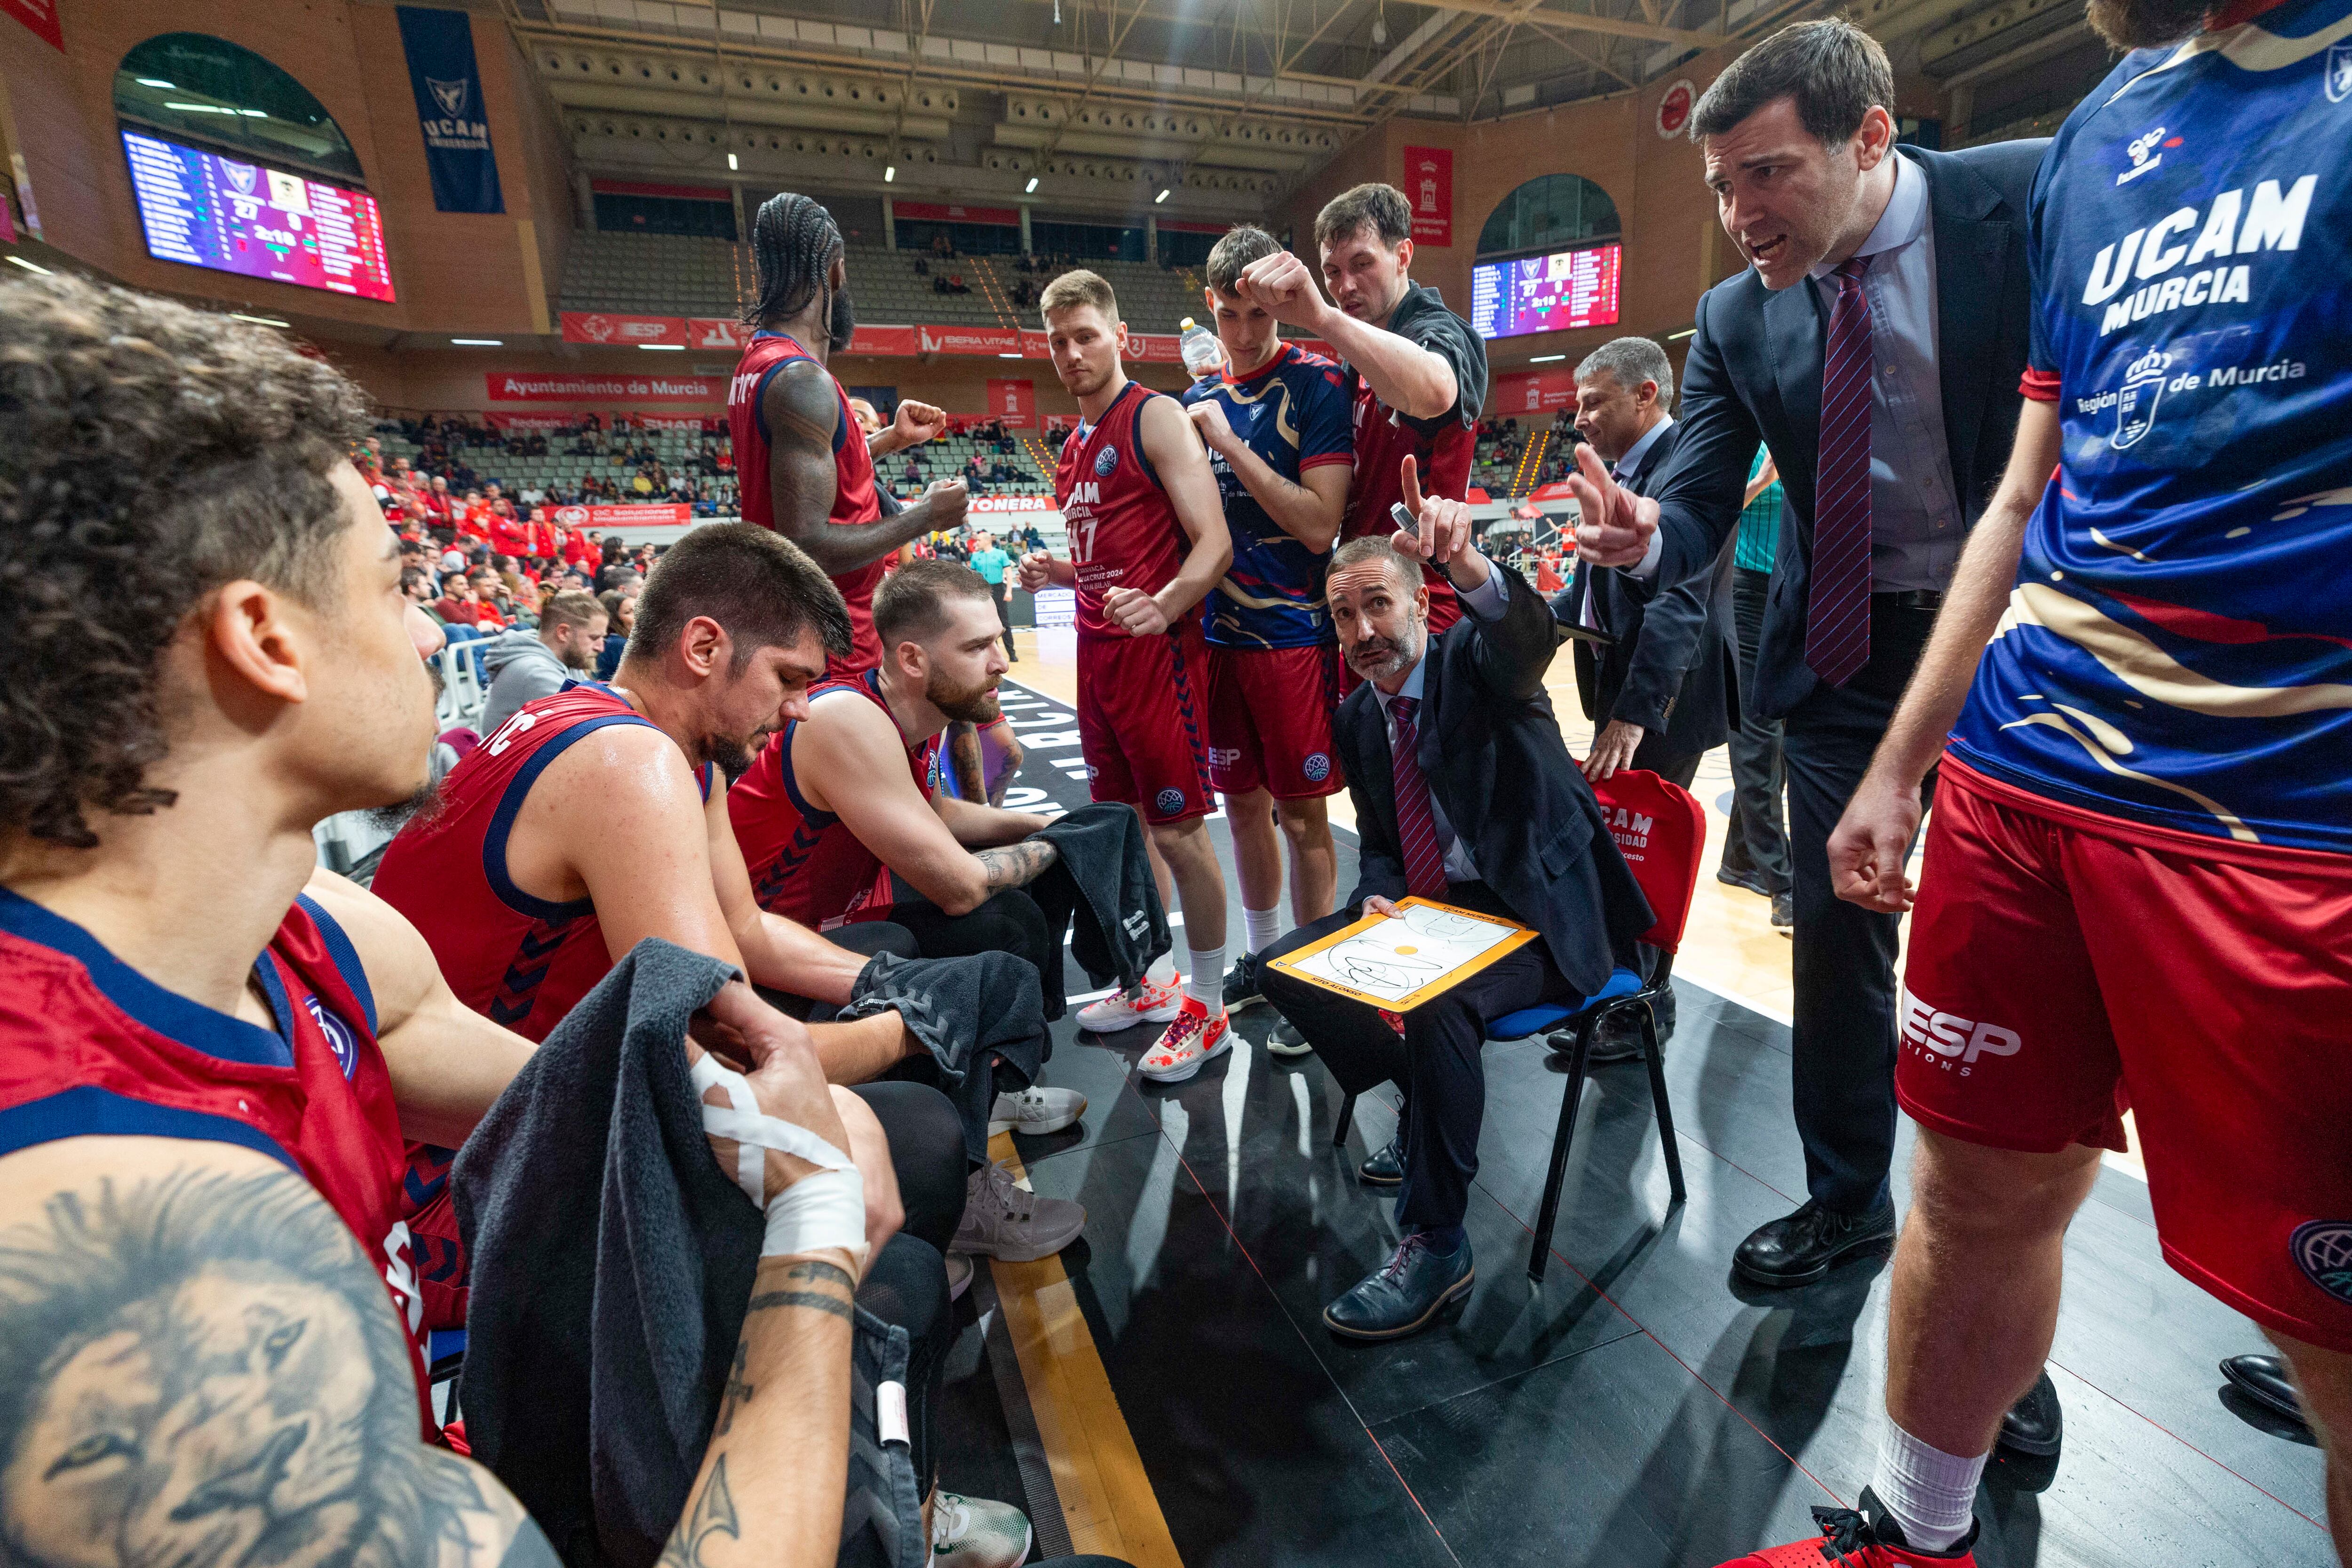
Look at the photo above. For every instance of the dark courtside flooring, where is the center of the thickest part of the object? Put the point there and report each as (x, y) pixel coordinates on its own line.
(1642, 1407)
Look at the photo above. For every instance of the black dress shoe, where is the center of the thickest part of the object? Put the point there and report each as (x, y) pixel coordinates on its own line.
(1403, 1295)
(2036, 1425)
(2264, 1380)
(1784, 912)
(1799, 1248)
(1617, 1040)
(1384, 1167)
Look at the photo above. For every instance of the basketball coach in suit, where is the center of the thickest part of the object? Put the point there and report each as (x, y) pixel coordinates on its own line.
(1464, 794)
(1875, 345)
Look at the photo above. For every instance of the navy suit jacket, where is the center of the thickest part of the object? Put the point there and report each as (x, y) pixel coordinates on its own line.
(1754, 372)
(1491, 749)
(1675, 667)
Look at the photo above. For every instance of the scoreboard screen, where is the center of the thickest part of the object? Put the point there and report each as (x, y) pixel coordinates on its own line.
(1555, 293)
(201, 209)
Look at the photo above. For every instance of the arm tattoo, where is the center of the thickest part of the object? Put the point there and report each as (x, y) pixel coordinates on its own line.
(712, 1512)
(1017, 865)
(808, 1271)
(963, 750)
(206, 1363)
(739, 1389)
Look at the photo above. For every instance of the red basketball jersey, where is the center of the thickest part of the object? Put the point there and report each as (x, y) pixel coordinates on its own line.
(1123, 531)
(806, 864)
(517, 960)
(855, 500)
(89, 1046)
(1384, 441)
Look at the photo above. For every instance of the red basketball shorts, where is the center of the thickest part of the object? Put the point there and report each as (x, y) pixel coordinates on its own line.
(1143, 722)
(1270, 720)
(2065, 966)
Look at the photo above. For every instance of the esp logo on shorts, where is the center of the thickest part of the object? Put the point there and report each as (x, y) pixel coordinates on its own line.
(2322, 1249)
(1949, 1035)
(1170, 801)
(1317, 767)
(1105, 461)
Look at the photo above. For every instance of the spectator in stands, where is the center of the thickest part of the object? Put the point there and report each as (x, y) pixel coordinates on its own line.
(922, 268)
(526, 666)
(457, 606)
(417, 587)
(940, 284)
(620, 617)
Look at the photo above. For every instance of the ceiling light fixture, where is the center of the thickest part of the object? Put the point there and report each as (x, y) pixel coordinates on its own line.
(1007, 353)
(198, 108)
(31, 265)
(157, 81)
(663, 348)
(1380, 24)
(479, 343)
(258, 320)
(255, 113)
(1675, 337)
(1033, 186)
(733, 162)
(889, 173)
(1546, 359)
(1160, 197)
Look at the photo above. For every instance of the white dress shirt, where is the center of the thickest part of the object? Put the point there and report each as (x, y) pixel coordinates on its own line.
(1486, 603)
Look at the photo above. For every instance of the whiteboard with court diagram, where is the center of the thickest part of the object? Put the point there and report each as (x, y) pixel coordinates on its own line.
(1400, 961)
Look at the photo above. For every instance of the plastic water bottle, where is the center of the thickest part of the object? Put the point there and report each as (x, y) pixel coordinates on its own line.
(1204, 354)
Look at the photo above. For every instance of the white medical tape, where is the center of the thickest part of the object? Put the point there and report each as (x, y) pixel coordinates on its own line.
(825, 1209)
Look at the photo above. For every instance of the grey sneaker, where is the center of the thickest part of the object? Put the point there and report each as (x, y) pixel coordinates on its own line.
(1284, 1040)
(973, 1532)
(1034, 1111)
(1004, 1220)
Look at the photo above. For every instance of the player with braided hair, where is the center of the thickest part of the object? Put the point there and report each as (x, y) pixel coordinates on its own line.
(808, 471)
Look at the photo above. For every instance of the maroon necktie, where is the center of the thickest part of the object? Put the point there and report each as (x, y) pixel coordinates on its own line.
(1424, 862)
(1837, 601)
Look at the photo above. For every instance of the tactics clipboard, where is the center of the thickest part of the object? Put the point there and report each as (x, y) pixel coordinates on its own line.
(1398, 962)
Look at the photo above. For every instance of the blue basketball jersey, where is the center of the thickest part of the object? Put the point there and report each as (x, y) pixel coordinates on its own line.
(1292, 412)
(2178, 647)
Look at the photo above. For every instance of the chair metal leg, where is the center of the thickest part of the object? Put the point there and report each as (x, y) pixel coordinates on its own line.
(1570, 1098)
(1347, 1118)
(1659, 1103)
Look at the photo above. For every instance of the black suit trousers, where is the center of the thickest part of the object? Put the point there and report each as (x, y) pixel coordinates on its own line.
(1846, 1012)
(1437, 1062)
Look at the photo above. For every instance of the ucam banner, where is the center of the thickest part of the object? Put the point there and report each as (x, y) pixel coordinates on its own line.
(507, 386)
(1429, 186)
(449, 110)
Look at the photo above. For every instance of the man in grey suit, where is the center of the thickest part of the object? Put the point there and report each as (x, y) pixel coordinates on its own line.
(1876, 345)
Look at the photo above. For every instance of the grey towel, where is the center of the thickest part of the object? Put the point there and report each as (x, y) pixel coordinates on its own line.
(1100, 889)
(970, 1012)
(600, 1334)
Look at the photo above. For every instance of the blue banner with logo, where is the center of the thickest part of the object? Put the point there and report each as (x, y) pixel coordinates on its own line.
(449, 110)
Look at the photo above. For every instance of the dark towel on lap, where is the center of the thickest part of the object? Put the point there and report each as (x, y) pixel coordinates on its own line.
(969, 1013)
(1100, 890)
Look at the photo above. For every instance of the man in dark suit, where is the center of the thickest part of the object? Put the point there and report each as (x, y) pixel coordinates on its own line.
(1661, 693)
(1876, 345)
(1464, 794)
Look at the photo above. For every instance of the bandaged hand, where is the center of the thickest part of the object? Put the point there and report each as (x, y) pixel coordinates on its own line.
(778, 1133)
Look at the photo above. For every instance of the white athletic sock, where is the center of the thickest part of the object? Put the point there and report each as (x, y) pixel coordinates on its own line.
(1163, 969)
(1207, 984)
(1261, 927)
(1931, 1494)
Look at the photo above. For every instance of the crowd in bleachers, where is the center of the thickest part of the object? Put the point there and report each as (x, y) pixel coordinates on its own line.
(585, 459)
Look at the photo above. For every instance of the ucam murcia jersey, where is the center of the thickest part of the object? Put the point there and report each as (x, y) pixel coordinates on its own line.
(1123, 529)
(1293, 412)
(2178, 647)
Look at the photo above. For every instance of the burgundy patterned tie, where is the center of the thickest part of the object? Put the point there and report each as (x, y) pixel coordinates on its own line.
(1424, 862)
(1837, 602)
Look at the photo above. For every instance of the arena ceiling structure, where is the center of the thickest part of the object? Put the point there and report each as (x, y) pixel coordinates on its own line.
(1198, 109)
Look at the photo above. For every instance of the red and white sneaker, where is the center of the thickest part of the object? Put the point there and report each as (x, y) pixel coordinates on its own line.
(1858, 1538)
(1189, 1043)
(1149, 1001)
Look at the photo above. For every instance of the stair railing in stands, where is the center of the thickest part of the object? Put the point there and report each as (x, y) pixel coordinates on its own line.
(1530, 463)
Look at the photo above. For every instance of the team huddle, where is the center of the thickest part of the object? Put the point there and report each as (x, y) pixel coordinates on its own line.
(231, 1083)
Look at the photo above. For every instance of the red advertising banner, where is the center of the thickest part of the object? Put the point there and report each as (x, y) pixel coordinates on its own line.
(1010, 503)
(1557, 491)
(687, 422)
(1014, 402)
(598, 327)
(528, 423)
(1034, 344)
(1428, 185)
(884, 341)
(1156, 348)
(716, 332)
(653, 515)
(508, 388)
(1533, 391)
(41, 16)
(676, 193)
(938, 212)
(969, 340)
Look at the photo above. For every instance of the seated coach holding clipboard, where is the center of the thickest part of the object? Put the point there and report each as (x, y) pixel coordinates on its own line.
(1464, 794)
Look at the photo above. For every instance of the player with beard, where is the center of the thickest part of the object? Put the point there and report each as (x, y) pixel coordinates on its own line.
(1147, 540)
(807, 470)
(2138, 874)
(202, 1351)
(597, 817)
